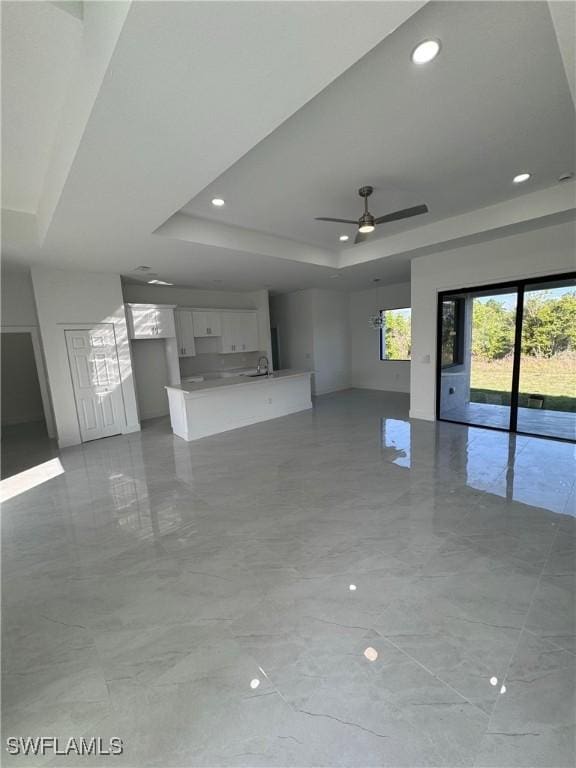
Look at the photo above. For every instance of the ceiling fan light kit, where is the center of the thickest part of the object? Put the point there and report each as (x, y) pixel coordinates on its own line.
(367, 223)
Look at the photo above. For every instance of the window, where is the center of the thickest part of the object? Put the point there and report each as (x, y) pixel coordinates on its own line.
(396, 334)
(452, 332)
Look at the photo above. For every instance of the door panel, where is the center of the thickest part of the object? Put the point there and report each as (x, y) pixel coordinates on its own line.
(249, 341)
(185, 332)
(547, 382)
(96, 382)
(165, 323)
(143, 322)
(477, 335)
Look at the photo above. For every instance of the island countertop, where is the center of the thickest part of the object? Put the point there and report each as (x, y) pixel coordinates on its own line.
(197, 388)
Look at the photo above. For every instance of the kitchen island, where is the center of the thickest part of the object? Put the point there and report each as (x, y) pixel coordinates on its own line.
(202, 408)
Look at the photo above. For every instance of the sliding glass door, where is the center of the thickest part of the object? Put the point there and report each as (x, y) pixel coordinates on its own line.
(507, 357)
(547, 381)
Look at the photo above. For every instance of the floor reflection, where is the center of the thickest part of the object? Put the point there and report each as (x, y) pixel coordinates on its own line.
(396, 437)
(336, 587)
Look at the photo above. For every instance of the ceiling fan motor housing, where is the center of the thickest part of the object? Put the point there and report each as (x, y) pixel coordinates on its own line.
(366, 220)
(365, 191)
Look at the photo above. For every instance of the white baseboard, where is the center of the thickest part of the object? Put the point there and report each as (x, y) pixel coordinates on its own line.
(332, 389)
(157, 415)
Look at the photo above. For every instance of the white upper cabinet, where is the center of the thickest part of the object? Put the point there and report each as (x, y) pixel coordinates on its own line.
(165, 326)
(150, 321)
(239, 331)
(185, 332)
(207, 322)
(249, 338)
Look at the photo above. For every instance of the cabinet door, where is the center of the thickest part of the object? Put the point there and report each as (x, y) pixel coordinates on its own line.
(165, 323)
(184, 333)
(230, 332)
(248, 340)
(142, 322)
(207, 323)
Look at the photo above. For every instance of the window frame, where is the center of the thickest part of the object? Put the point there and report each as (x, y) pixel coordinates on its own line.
(381, 334)
(459, 315)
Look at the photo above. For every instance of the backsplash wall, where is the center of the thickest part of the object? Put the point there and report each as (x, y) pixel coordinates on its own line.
(204, 362)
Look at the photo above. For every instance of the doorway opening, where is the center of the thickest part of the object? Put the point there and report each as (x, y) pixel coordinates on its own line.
(25, 437)
(507, 357)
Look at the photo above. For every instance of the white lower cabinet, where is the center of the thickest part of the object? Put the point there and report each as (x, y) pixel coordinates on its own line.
(184, 319)
(239, 331)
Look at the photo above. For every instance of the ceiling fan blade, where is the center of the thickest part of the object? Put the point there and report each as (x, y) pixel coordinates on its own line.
(340, 221)
(405, 213)
(361, 236)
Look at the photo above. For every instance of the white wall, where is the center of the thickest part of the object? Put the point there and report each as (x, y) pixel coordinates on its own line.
(313, 334)
(331, 340)
(150, 376)
(540, 252)
(291, 314)
(21, 397)
(18, 307)
(65, 298)
(367, 370)
(19, 314)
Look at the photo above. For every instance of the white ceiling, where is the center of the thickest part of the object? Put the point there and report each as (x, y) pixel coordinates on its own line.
(40, 48)
(451, 134)
(284, 109)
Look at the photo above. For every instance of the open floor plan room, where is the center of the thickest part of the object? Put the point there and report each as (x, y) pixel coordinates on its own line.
(288, 384)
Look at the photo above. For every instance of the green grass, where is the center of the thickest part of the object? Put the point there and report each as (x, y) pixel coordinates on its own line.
(553, 378)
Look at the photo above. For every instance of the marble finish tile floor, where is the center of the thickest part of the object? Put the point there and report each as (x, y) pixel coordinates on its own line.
(340, 587)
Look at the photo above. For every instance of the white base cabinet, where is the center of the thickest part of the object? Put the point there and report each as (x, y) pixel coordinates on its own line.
(197, 412)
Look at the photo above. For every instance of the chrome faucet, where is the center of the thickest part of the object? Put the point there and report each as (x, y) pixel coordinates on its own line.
(266, 366)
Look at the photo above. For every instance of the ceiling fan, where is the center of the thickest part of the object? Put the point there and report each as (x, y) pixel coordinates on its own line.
(367, 223)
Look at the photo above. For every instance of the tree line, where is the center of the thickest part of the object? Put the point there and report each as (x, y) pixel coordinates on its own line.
(548, 327)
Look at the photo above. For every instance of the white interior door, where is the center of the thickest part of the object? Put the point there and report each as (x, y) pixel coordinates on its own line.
(96, 381)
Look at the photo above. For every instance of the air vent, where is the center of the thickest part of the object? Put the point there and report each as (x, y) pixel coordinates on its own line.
(142, 268)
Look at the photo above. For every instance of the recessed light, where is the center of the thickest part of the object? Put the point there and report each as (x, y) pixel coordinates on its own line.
(566, 176)
(334, 277)
(426, 51)
(218, 202)
(158, 282)
(521, 177)
(343, 238)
